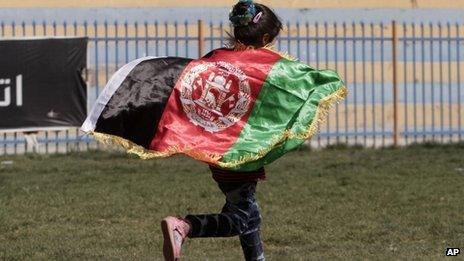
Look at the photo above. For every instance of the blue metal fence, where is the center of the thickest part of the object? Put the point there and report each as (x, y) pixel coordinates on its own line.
(404, 79)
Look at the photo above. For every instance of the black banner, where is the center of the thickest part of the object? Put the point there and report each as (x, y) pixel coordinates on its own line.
(41, 83)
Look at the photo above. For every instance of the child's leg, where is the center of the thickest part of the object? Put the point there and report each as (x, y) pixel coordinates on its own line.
(239, 216)
(252, 246)
(250, 240)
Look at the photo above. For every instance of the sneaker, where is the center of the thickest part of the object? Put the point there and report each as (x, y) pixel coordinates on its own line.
(175, 230)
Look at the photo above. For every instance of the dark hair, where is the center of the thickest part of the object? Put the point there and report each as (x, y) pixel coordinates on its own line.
(249, 32)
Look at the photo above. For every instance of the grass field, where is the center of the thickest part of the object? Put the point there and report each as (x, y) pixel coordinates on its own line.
(338, 203)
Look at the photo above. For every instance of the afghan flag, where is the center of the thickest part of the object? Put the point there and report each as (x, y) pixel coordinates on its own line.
(236, 110)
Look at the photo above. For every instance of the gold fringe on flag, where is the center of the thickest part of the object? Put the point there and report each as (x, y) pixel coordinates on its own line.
(320, 117)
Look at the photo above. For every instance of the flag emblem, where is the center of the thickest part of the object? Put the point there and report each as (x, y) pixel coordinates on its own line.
(215, 95)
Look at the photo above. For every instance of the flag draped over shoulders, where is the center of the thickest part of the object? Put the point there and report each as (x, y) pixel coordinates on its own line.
(236, 110)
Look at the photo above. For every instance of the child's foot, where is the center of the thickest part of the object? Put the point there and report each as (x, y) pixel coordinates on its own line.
(175, 230)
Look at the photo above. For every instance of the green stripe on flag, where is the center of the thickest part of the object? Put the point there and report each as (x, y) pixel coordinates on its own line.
(287, 103)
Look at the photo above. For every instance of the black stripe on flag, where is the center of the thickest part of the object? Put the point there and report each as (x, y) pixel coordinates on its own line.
(134, 99)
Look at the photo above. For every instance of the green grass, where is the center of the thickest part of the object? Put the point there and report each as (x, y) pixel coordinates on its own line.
(339, 203)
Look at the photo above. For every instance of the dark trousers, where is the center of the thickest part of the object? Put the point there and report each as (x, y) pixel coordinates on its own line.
(239, 216)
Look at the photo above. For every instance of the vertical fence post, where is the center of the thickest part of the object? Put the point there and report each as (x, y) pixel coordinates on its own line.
(201, 38)
(395, 83)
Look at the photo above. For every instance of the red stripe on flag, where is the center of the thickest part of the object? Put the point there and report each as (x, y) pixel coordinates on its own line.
(212, 101)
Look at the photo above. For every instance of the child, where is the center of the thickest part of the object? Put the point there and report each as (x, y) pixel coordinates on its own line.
(255, 26)
(236, 109)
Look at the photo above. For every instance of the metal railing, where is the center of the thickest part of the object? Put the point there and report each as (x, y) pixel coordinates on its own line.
(404, 79)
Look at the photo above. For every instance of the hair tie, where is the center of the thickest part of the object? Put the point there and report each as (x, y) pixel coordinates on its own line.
(245, 19)
(257, 17)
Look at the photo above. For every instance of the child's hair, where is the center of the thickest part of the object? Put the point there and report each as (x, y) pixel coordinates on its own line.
(252, 21)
